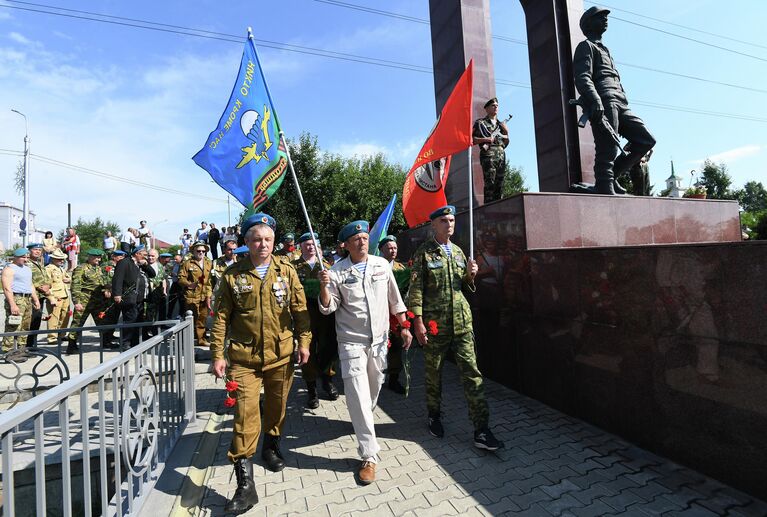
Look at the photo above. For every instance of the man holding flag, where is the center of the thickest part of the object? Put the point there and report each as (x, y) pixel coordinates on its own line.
(247, 156)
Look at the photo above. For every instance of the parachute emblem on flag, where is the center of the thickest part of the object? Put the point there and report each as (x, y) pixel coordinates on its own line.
(258, 133)
(430, 176)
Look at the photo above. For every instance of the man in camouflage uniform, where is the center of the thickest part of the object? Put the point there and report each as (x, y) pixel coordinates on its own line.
(157, 298)
(226, 259)
(91, 291)
(20, 299)
(323, 349)
(440, 273)
(58, 299)
(492, 154)
(42, 285)
(288, 247)
(194, 278)
(388, 248)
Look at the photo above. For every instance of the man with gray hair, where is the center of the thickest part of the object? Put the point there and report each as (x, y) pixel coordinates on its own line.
(362, 292)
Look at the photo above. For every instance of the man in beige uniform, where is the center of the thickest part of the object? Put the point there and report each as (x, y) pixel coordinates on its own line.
(261, 308)
(57, 302)
(362, 292)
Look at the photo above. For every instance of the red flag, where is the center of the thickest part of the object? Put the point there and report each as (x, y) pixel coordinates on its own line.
(424, 189)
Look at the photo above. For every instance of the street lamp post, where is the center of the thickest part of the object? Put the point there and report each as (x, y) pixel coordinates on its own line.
(25, 216)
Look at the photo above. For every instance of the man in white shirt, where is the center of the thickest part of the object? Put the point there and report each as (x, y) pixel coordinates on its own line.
(362, 292)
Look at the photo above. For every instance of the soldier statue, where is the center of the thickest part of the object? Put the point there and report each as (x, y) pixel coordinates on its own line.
(604, 100)
(492, 137)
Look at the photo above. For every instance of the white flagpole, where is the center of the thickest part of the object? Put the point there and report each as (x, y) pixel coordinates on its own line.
(290, 165)
(471, 207)
(301, 200)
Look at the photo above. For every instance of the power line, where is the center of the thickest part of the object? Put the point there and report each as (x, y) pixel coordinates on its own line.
(640, 15)
(100, 174)
(331, 54)
(700, 42)
(11, 152)
(187, 31)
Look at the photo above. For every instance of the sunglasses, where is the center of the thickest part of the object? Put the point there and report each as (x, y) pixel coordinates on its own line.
(199, 251)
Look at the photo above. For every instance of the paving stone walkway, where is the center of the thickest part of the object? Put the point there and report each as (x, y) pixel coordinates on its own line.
(553, 464)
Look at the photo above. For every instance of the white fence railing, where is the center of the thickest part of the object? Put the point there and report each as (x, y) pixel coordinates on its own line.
(97, 443)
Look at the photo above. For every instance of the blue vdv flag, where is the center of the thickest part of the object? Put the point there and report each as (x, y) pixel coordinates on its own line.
(244, 154)
(381, 226)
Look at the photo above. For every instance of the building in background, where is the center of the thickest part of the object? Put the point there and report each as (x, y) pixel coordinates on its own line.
(10, 233)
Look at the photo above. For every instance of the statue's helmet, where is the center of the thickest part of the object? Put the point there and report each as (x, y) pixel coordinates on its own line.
(590, 13)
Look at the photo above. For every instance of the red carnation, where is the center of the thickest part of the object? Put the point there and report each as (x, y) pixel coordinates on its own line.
(405, 324)
(230, 402)
(232, 385)
(388, 343)
(212, 314)
(410, 263)
(432, 327)
(102, 314)
(69, 313)
(410, 315)
(108, 269)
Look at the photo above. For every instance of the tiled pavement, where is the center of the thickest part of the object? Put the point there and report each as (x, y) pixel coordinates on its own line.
(552, 464)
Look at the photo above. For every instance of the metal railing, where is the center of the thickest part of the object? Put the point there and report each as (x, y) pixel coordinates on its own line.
(97, 443)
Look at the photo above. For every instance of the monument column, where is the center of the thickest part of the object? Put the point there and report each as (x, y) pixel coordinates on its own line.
(565, 151)
(460, 31)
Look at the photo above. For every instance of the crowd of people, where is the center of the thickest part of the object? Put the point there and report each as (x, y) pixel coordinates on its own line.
(356, 321)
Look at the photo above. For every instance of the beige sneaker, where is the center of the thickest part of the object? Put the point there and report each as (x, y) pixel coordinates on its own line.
(367, 473)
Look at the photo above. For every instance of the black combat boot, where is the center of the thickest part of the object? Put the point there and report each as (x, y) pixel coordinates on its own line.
(312, 400)
(245, 496)
(329, 387)
(72, 347)
(435, 425)
(271, 454)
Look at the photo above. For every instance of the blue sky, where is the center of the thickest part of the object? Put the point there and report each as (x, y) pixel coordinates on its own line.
(138, 104)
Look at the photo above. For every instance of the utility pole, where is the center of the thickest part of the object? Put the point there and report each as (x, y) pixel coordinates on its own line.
(25, 217)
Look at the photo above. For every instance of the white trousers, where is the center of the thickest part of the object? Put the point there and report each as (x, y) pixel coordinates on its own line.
(362, 368)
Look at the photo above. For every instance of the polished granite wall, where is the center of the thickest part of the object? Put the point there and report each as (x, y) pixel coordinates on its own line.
(665, 345)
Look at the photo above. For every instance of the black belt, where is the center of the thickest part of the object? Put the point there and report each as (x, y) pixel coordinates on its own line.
(25, 295)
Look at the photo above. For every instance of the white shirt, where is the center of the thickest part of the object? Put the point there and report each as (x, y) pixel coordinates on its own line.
(363, 303)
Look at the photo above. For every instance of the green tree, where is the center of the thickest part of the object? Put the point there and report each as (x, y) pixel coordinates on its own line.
(92, 233)
(336, 190)
(514, 181)
(717, 180)
(752, 197)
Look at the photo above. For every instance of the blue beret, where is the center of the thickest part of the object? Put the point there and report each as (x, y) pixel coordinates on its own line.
(259, 218)
(20, 252)
(166, 255)
(307, 237)
(34, 245)
(388, 238)
(353, 228)
(241, 250)
(138, 248)
(439, 212)
(119, 253)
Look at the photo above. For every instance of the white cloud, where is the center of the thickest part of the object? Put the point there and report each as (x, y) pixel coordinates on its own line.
(732, 155)
(359, 149)
(19, 38)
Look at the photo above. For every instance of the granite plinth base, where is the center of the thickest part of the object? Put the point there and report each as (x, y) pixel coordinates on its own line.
(663, 344)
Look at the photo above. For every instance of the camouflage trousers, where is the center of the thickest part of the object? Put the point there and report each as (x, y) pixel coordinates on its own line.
(94, 305)
(462, 347)
(493, 163)
(24, 303)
